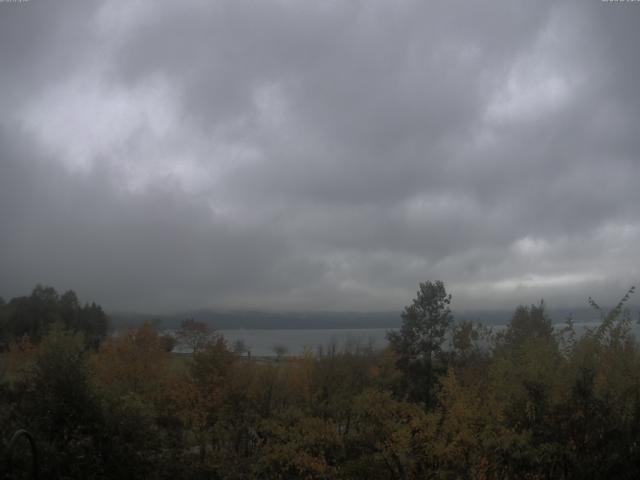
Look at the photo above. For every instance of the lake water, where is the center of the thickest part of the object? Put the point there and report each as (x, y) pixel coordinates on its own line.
(262, 342)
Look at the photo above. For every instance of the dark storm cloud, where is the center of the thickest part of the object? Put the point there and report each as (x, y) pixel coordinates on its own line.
(319, 154)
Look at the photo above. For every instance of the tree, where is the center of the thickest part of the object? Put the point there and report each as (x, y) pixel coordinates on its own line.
(469, 344)
(194, 334)
(33, 315)
(424, 325)
(529, 324)
(168, 342)
(240, 347)
(94, 323)
(59, 406)
(280, 350)
(389, 439)
(204, 392)
(134, 362)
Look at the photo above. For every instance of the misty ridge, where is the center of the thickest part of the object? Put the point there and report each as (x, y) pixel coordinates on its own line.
(240, 319)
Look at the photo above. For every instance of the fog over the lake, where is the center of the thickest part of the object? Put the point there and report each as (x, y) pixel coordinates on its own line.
(304, 155)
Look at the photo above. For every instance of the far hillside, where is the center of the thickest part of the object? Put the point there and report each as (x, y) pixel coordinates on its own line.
(227, 320)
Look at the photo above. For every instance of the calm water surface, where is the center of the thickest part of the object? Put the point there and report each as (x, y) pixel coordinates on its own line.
(263, 342)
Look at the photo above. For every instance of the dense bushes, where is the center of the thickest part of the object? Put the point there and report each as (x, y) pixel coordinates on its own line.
(530, 402)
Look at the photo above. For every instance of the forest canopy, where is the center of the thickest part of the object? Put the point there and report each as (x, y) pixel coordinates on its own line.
(443, 400)
(33, 315)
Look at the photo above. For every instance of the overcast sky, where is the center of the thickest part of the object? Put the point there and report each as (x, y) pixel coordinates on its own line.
(330, 155)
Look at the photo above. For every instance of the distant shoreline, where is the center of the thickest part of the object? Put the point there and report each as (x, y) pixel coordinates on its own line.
(256, 320)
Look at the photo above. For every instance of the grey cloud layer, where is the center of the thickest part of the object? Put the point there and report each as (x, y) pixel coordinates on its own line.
(321, 155)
